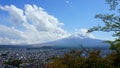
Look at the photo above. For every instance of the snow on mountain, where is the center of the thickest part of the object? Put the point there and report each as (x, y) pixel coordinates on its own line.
(76, 40)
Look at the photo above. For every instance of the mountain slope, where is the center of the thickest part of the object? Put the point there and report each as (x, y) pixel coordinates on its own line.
(77, 40)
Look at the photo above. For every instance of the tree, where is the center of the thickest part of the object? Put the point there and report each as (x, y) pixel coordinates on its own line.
(14, 62)
(72, 60)
(112, 23)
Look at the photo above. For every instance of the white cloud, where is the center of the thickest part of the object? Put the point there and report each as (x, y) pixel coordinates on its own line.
(82, 33)
(9, 35)
(16, 14)
(41, 19)
(38, 26)
(67, 2)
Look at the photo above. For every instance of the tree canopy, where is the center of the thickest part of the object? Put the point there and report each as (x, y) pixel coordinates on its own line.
(111, 21)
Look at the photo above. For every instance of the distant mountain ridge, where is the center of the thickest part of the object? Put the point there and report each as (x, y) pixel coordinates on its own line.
(76, 41)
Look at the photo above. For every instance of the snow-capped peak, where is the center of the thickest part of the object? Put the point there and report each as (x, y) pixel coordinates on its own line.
(82, 33)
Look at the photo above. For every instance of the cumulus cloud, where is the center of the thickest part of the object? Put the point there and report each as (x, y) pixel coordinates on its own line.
(16, 14)
(38, 26)
(32, 25)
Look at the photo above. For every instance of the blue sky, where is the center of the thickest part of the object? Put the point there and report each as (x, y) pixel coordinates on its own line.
(75, 14)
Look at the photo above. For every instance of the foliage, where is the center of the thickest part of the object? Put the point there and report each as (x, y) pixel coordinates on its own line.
(111, 21)
(14, 62)
(112, 4)
(93, 60)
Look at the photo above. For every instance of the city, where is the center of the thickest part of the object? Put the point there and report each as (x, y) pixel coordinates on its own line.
(35, 58)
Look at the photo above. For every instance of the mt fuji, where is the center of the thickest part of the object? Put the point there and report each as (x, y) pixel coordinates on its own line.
(77, 40)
